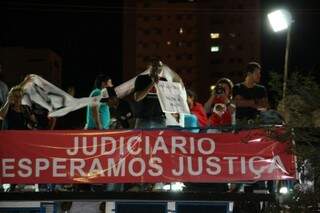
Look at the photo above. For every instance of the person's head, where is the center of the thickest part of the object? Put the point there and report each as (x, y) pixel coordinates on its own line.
(156, 66)
(103, 81)
(227, 85)
(253, 72)
(191, 98)
(15, 95)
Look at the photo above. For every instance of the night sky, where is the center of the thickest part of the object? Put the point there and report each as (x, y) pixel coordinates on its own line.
(89, 36)
(304, 45)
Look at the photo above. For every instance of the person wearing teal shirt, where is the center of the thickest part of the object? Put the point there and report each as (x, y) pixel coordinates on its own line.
(98, 115)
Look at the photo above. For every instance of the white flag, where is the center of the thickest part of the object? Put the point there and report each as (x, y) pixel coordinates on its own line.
(52, 98)
(59, 103)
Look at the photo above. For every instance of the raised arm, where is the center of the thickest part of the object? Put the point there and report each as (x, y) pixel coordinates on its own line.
(143, 85)
(139, 95)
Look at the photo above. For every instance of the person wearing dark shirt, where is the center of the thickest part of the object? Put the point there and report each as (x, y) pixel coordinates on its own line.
(250, 97)
(149, 113)
(123, 113)
(120, 110)
(43, 121)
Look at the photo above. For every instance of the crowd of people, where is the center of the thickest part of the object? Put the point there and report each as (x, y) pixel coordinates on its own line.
(242, 103)
(229, 104)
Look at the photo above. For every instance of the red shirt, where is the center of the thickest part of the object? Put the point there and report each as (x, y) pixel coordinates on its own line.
(199, 112)
(224, 119)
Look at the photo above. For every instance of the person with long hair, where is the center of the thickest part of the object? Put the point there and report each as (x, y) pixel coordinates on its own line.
(18, 116)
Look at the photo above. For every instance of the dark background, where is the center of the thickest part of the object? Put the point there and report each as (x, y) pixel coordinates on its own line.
(304, 46)
(88, 36)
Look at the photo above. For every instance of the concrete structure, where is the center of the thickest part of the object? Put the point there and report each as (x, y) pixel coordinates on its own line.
(19, 61)
(201, 40)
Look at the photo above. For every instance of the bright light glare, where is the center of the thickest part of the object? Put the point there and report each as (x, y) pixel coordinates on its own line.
(279, 20)
(215, 49)
(5, 187)
(177, 186)
(214, 35)
(283, 190)
(166, 187)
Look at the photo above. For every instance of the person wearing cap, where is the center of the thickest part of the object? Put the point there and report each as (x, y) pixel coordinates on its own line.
(98, 114)
(250, 97)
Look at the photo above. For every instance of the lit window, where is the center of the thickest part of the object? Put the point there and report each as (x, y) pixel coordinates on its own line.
(214, 35)
(181, 30)
(215, 48)
(168, 42)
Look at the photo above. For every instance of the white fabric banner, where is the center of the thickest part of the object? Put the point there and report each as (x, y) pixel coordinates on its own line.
(50, 97)
(60, 103)
(170, 97)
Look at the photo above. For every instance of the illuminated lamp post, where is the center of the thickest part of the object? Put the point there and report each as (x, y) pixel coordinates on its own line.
(281, 20)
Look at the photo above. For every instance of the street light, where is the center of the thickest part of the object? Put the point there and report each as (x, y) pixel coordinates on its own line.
(281, 20)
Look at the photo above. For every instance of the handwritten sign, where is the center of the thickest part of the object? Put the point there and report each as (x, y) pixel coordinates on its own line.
(171, 97)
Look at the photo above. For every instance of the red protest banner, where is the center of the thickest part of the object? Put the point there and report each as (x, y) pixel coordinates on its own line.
(142, 156)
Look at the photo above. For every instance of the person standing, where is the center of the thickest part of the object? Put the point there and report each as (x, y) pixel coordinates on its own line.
(98, 114)
(149, 113)
(250, 97)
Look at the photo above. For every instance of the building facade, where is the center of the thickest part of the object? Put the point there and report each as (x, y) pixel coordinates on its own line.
(201, 40)
(17, 62)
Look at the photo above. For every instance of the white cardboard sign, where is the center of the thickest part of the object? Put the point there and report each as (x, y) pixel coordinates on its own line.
(171, 97)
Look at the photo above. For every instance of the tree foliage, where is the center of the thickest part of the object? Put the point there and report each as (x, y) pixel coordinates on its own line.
(301, 110)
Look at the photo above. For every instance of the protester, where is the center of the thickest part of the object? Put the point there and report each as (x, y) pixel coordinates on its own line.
(197, 109)
(98, 117)
(250, 97)
(98, 114)
(148, 110)
(120, 111)
(220, 105)
(149, 113)
(18, 116)
(221, 94)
